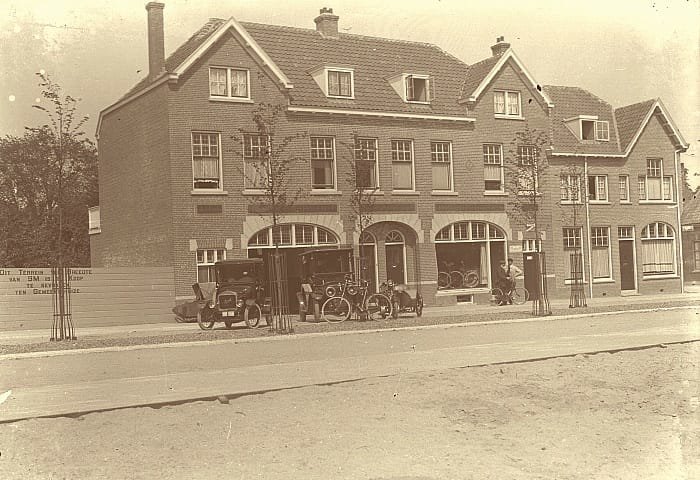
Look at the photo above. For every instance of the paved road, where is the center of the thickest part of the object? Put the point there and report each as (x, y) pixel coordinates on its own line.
(90, 381)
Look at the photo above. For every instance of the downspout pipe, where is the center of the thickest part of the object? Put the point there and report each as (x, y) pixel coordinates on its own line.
(588, 229)
(679, 227)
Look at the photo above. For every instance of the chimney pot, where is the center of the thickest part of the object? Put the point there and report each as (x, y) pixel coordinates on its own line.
(500, 47)
(156, 43)
(327, 23)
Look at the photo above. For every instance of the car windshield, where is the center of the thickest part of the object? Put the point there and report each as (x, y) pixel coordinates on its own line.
(244, 273)
(330, 262)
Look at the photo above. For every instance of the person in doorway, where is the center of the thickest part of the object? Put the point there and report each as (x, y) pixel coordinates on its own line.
(502, 283)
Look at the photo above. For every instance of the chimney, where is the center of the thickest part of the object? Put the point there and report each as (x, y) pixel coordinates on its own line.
(156, 45)
(500, 47)
(327, 23)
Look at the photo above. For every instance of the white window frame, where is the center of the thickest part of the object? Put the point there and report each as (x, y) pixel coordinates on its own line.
(646, 235)
(643, 183)
(600, 238)
(220, 186)
(624, 187)
(394, 160)
(334, 173)
(229, 97)
(328, 72)
(569, 245)
(94, 220)
(532, 245)
(375, 188)
(598, 185)
(487, 156)
(292, 228)
(408, 79)
(250, 158)
(505, 113)
(209, 257)
(566, 185)
(601, 129)
(523, 168)
(435, 158)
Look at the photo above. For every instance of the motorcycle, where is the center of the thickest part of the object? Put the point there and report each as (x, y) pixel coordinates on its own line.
(403, 298)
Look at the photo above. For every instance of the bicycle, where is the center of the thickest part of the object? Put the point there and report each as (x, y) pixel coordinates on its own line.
(458, 279)
(353, 298)
(516, 295)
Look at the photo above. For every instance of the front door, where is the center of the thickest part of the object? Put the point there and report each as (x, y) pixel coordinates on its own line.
(628, 273)
(394, 263)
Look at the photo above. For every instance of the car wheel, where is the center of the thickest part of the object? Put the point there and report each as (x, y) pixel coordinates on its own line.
(206, 318)
(252, 315)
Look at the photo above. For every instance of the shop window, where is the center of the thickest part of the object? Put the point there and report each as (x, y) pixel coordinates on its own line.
(658, 249)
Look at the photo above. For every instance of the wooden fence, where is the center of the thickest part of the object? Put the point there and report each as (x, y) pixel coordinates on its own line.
(99, 296)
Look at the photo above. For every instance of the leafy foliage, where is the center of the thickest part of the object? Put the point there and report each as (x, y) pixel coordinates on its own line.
(48, 179)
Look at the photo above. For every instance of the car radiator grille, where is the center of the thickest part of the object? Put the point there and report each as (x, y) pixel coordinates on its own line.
(227, 300)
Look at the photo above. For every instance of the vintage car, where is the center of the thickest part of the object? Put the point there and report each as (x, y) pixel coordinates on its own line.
(239, 295)
(323, 270)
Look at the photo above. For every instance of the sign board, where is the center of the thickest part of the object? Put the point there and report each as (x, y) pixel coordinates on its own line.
(515, 248)
(687, 228)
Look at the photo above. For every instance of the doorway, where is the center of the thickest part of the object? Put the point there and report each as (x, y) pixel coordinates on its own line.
(395, 257)
(628, 273)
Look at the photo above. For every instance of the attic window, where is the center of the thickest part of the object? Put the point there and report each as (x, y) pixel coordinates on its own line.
(417, 88)
(595, 130)
(340, 83)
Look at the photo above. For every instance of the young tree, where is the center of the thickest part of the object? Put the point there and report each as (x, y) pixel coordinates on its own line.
(526, 167)
(267, 160)
(360, 160)
(571, 203)
(48, 178)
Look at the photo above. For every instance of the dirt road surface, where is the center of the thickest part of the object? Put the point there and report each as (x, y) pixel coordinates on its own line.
(628, 415)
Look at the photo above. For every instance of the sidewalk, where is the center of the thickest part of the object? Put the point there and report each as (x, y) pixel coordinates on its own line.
(463, 311)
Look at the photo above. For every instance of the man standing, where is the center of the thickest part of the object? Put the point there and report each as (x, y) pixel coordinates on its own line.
(511, 272)
(501, 282)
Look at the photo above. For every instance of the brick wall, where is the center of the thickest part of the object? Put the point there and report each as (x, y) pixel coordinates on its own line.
(135, 200)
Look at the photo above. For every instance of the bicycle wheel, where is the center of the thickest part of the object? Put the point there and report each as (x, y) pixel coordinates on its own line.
(456, 279)
(336, 309)
(519, 295)
(378, 306)
(471, 279)
(497, 295)
(443, 280)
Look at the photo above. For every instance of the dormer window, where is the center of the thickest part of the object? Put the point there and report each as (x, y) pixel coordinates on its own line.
(595, 130)
(417, 88)
(506, 103)
(335, 81)
(340, 83)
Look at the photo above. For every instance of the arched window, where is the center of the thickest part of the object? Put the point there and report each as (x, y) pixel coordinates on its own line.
(292, 235)
(467, 252)
(367, 239)
(658, 249)
(394, 237)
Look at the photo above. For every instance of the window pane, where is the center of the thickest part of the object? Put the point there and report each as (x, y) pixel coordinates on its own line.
(657, 256)
(668, 188)
(642, 188)
(499, 102)
(441, 176)
(217, 82)
(402, 175)
(624, 188)
(239, 83)
(600, 261)
(654, 188)
(513, 103)
(322, 163)
(304, 234)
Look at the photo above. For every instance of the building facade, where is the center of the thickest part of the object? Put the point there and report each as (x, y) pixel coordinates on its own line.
(442, 144)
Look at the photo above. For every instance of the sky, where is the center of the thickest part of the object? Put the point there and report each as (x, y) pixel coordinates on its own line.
(623, 51)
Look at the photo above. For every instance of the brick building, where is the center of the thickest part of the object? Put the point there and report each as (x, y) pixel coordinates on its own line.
(439, 140)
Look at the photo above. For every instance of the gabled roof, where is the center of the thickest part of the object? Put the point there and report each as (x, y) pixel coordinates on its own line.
(571, 102)
(691, 210)
(632, 114)
(291, 53)
(481, 74)
(629, 120)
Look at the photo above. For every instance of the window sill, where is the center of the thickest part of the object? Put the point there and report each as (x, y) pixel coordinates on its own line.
(231, 100)
(603, 280)
(253, 192)
(599, 202)
(669, 276)
(568, 202)
(417, 102)
(94, 231)
(461, 291)
(404, 192)
(446, 193)
(326, 192)
(340, 97)
(212, 192)
(372, 192)
(495, 193)
(657, 202)
(508, 117)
